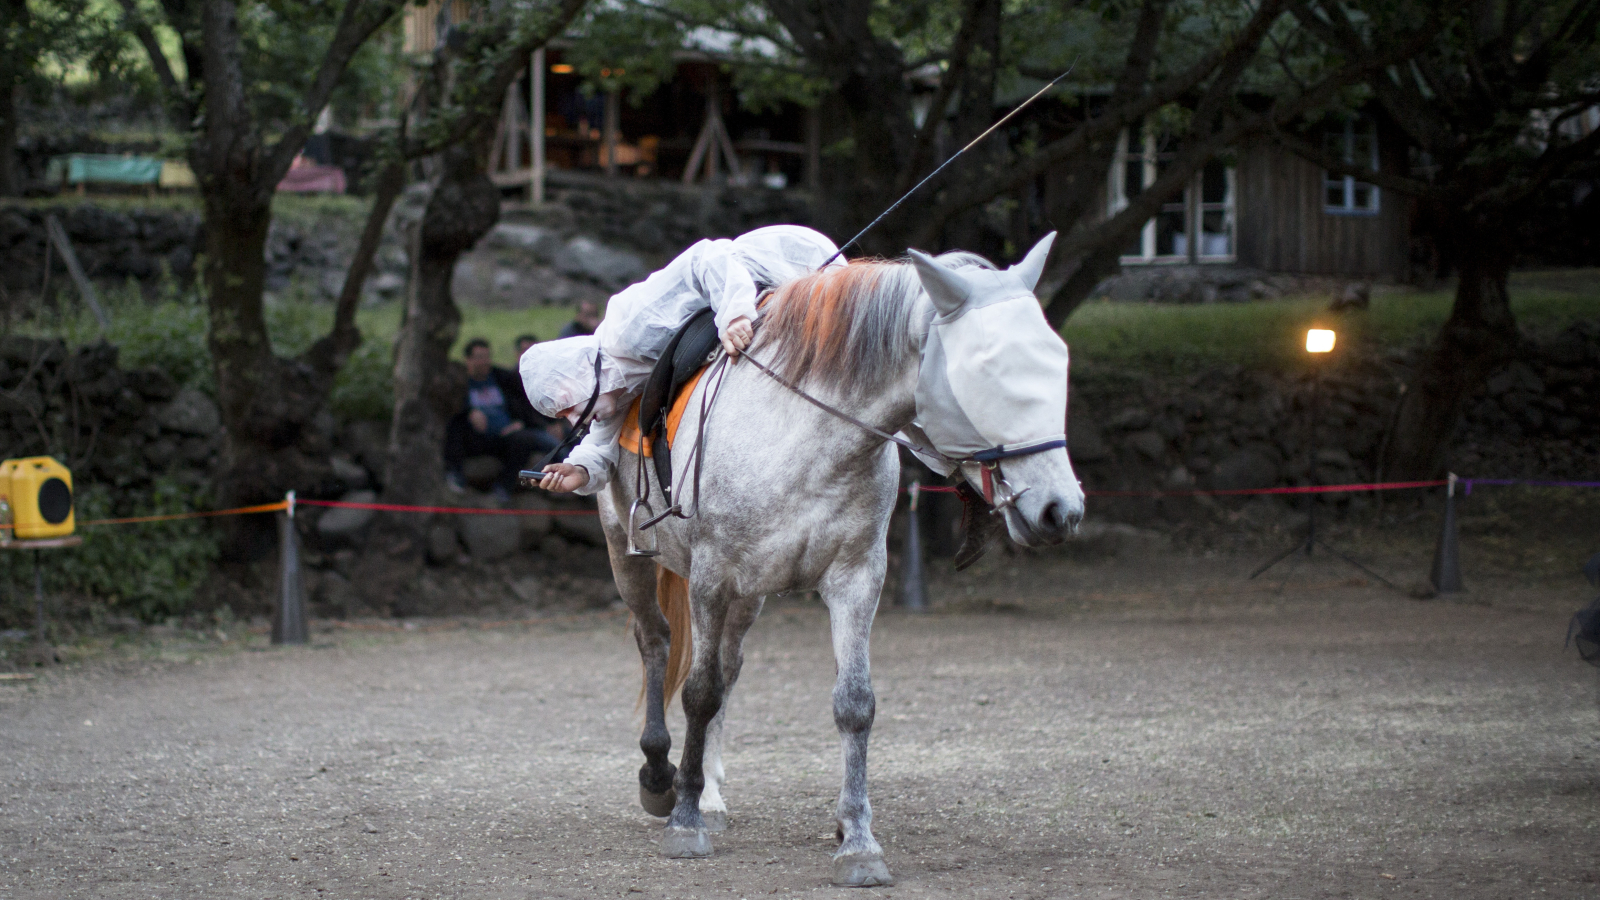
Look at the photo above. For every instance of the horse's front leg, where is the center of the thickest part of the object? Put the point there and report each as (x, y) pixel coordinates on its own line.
(638, 581)
(852, 599)
(741, 615)
(686, 836)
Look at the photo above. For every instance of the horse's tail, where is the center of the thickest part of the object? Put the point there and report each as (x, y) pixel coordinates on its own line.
(672, 595)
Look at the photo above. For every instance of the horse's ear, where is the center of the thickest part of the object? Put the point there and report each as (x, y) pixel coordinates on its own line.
(947, 289)
(1032, 265)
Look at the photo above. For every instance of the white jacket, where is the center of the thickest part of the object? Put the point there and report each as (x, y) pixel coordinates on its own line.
(722, 274)
(597, 453)
(640, 321)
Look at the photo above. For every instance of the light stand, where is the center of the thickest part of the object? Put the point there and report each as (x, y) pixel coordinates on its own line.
(1318, 341)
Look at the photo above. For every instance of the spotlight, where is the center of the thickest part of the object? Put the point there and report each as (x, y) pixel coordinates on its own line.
(1318, 340)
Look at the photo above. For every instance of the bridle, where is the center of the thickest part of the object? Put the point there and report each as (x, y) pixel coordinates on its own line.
(997, 492)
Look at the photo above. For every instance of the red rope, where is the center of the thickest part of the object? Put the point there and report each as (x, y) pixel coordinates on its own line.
(462, 510)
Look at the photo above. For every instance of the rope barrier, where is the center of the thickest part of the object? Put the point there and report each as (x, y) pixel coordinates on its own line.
(459, 510)
(1523, 482)
(282, 505)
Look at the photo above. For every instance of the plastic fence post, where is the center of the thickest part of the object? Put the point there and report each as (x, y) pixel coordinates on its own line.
(1446, 574)
(913, 587)
(289, 618)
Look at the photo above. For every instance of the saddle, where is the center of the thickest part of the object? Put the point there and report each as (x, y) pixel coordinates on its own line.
(650, 430)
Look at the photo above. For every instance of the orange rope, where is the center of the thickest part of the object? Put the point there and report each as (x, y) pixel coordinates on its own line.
(279, 506)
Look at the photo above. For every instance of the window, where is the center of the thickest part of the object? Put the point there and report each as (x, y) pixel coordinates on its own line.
(1355, 141)
(1205, 208)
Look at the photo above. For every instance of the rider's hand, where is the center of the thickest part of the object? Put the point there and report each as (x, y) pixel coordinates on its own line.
(564, 478)
(480, 422)
(738, 335)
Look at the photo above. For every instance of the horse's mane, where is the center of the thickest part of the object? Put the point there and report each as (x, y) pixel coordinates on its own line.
(845, 326)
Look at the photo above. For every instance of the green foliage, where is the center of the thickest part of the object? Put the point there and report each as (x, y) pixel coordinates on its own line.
(1270, 333)
(146, 570)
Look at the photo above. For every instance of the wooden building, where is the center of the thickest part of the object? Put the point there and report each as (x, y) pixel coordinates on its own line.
(1262, 207)
(688, 128)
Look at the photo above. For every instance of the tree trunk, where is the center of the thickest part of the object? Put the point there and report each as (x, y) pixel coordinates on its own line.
(1479, 337)
(267, 403)
(10, 183)
(428, 388)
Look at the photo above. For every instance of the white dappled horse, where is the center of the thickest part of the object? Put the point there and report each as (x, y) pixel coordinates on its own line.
(794, 498)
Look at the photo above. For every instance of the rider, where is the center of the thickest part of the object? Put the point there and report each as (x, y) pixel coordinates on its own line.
(728, 276)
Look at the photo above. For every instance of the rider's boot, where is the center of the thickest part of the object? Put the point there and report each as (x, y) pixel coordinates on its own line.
(979, 525)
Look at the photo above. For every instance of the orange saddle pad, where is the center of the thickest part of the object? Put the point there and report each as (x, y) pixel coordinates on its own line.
(638, 444)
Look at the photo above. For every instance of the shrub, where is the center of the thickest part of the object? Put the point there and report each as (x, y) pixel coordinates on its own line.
(149, 570)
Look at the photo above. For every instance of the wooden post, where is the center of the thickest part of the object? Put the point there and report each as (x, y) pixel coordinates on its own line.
(612, 113)
(536, 126)
(513, 115)
(289, 616)
(63, 245)
(913, 584)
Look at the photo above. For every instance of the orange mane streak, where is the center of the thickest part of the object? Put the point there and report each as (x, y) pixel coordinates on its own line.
(813, 317)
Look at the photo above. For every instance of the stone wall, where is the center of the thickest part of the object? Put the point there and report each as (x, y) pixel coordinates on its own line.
(114, 245)
(111, 426)
(1229, 428)
(657, 216)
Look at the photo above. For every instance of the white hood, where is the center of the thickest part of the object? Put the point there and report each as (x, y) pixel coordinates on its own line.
(560, 374)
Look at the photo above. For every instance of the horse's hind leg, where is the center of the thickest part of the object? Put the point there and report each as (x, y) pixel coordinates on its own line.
(852, 599)
(741, 615)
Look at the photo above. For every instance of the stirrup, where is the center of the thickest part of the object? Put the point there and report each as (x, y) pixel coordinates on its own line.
(633, 529)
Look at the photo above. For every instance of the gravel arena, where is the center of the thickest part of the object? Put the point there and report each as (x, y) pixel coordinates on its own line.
(1113, 719)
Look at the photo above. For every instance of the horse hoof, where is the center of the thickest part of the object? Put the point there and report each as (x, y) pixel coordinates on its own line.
(687, 843)
(659, 805)
(861, 870)
(716, 820)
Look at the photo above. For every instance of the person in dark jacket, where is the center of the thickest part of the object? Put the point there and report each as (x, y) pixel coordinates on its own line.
(495, 420)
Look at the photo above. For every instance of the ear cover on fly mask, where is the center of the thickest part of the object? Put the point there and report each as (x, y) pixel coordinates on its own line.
(994, 373)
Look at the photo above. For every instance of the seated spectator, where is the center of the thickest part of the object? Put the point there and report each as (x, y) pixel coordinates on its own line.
(524, 341)
(585, 322)
(496, 420)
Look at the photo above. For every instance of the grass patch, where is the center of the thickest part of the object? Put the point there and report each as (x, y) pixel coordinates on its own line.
(1271, 333)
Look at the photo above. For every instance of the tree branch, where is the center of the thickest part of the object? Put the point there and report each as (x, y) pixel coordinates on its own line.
(960, 52)
(356, 24)
(180, 106)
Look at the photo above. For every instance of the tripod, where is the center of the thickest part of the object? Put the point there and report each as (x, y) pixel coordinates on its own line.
(1312, 541)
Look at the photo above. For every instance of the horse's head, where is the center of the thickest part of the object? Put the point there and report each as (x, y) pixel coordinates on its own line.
(993, 383)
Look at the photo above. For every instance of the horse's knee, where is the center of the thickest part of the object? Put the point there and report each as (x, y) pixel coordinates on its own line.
(854, 706)
(702, 694)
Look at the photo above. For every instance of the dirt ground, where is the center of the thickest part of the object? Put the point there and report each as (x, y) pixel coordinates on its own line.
(1127, 721)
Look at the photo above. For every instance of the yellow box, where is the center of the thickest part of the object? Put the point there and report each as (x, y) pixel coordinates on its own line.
(40, 493)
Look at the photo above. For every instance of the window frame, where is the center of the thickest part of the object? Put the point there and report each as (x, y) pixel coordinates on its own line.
(1347, 184)
(1192, 202)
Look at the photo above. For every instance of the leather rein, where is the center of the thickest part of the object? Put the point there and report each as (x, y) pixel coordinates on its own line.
(987, 460)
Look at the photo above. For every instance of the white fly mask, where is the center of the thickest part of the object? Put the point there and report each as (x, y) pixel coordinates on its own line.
(993, 381)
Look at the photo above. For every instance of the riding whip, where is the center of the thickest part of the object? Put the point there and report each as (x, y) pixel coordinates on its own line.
(970, 144)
